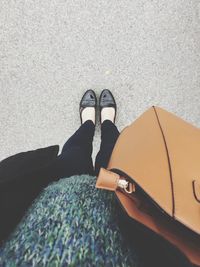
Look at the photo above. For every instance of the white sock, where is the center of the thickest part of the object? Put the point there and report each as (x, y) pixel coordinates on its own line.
(88, 114)
(108, 114)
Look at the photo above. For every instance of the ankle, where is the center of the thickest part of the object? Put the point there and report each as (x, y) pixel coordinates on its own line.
(88, 114)
(108, 113)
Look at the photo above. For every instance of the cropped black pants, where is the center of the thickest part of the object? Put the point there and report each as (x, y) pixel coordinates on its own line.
(76, 155)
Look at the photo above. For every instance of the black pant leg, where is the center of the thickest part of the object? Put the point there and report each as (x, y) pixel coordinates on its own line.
(75, 158)
(82, 138)
(109, 135)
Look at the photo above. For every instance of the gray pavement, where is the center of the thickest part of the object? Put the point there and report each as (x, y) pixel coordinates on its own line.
(51, 51)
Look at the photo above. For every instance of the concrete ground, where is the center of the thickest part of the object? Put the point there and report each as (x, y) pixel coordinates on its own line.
(146, 51)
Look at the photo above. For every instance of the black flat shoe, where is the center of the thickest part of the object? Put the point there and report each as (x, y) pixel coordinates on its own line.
(89, 99)
(107, 100)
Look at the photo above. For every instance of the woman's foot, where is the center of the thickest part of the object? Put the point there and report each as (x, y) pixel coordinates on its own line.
(88, 105)
(107, 106)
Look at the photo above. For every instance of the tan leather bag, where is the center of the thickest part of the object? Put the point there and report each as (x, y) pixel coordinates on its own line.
(157, 160)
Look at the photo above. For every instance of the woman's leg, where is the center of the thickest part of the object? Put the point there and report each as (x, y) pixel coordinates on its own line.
(75, 158)
(109, 135)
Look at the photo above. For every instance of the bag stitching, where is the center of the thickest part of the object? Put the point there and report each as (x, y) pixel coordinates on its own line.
(169, 163)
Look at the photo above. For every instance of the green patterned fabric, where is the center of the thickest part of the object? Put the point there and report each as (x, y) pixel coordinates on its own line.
(70, 224)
